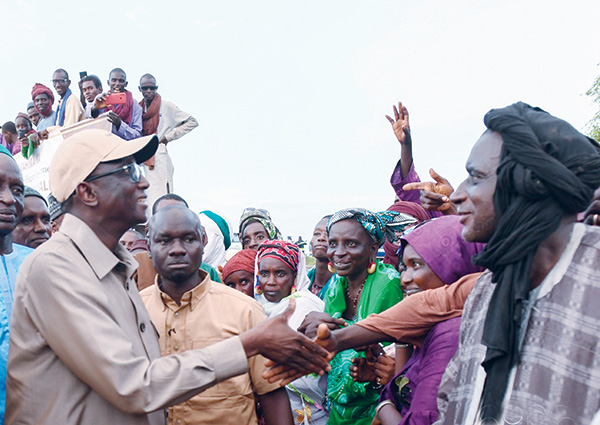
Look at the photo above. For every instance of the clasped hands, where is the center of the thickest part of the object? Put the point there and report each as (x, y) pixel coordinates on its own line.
(315, 324)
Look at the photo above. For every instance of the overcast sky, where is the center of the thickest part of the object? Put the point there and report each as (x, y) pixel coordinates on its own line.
(291, 96)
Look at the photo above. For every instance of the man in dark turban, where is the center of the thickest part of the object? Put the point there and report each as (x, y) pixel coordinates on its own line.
(533, 319)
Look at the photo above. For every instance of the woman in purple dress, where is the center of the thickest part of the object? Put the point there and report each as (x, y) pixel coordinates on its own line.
(433, 254)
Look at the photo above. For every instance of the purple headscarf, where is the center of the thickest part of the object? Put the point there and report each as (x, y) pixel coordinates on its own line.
(440, 244)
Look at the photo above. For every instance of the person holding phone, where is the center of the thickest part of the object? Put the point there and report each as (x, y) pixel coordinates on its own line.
(123, 112)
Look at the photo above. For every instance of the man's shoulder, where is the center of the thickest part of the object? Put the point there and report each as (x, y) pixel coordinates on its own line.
(591, 237)
(148, 293)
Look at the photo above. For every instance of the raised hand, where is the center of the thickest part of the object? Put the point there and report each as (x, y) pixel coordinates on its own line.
(435, 196)
(400, 123)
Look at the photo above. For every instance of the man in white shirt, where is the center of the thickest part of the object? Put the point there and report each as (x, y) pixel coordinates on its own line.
(169, 123)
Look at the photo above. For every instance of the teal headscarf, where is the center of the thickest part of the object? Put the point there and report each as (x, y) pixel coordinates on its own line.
(376, 224)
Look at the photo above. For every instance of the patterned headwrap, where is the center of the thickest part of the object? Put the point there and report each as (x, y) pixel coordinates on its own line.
(286, 252)
(376, 224)
(243, 260)
(251, 215)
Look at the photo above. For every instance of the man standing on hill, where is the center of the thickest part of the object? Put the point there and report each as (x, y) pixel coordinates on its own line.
(169, 123)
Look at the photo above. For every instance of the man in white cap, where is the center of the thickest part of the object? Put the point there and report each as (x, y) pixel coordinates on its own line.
(83, 349)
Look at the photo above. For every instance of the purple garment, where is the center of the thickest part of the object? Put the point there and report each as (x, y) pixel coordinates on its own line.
(440, 244)
(424, 370)
(125, 131)
(13, 149)
(411, 195)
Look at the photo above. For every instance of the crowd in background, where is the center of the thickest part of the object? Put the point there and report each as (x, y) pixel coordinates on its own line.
(483, 307)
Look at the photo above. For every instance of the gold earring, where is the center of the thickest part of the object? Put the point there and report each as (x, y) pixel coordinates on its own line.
(330, 267)
(372, 267)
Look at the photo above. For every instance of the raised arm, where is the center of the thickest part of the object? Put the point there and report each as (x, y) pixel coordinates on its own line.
(401, 128)
(435, 196)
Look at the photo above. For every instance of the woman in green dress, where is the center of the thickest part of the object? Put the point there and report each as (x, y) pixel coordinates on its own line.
(364, 286)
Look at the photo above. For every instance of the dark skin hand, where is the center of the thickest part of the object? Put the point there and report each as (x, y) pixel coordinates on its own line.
(275, 340)
(276, 407)
(333, 342)
(435, 196)
(401, 129)
(376, 367)
(114, 119)
(313, 319)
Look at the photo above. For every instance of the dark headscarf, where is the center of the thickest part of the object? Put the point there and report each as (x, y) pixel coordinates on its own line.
(412, 209)
(547, 169)
(440, 244)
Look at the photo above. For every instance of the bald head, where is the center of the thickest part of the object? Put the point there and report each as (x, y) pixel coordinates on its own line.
(171, 213)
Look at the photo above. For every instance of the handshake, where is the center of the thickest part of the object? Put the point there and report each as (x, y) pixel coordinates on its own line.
(291, 354)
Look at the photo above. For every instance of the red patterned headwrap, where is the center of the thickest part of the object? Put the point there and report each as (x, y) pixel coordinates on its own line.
(39, 89)
(243, 260)
(286, 252)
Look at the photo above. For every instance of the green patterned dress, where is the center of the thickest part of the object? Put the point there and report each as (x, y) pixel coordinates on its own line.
(353, 403)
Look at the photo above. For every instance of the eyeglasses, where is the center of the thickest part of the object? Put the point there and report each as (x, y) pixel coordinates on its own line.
(148, 87)
(62, 80)
(135, 172)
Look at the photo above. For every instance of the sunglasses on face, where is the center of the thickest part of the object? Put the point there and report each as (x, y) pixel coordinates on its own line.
(135, 172)
(148, 87)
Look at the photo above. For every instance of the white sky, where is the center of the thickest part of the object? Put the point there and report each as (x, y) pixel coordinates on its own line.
(291, 96)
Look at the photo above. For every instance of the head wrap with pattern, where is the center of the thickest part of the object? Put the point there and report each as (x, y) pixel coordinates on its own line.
(375, 224)
(286, 252)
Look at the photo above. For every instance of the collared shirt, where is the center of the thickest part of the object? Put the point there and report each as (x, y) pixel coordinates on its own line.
(557, 379)
(82, 347)
(209, 313)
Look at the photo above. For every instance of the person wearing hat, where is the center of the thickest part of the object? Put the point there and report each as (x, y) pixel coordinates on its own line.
(56, 213)
(43, 99)
(219, 238)
(11, 254)
(33, 114)
(35, 226)
(83, 348)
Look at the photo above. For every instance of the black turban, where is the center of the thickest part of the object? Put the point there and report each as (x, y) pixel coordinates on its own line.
(547, 170)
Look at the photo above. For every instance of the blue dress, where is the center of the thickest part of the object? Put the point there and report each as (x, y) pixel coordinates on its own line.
(9, 267)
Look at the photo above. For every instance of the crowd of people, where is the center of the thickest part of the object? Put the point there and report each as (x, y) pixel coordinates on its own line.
(483, 309)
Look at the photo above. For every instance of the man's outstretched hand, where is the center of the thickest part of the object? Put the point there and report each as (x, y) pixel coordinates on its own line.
(435, 196)
(279, 371)
(275, 340)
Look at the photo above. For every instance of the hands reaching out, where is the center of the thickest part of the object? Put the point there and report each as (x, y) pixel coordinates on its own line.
(375, 367)
(434, 195)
